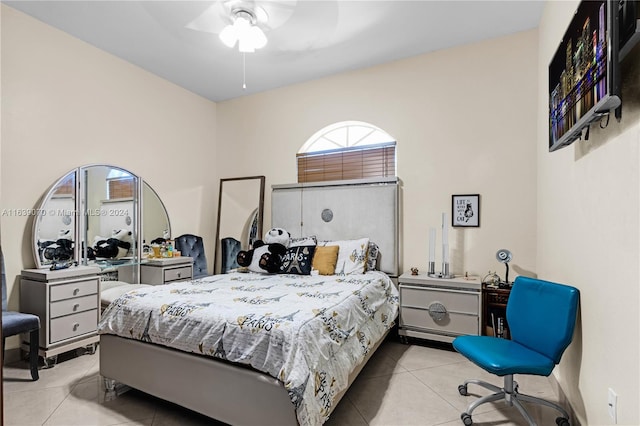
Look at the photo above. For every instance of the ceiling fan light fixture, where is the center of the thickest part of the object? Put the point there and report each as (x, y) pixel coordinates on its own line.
(244, 32)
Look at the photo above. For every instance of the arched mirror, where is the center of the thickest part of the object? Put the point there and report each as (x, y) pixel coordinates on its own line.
(54, 229)
(110, 204)
(240, 216)
(86, 206)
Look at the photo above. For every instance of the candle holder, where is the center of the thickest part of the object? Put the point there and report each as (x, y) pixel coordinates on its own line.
(445, 252)
(444, 274)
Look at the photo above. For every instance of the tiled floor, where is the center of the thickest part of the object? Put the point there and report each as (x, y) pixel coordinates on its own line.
(401, 385)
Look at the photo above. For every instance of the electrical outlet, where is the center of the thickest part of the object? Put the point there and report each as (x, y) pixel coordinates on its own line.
(613, 406)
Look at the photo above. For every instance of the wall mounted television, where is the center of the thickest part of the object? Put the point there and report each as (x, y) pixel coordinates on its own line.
(584, 75)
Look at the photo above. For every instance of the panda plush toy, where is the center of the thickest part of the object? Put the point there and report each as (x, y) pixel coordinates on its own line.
(60, 249)
(115, 247)
(266, 255)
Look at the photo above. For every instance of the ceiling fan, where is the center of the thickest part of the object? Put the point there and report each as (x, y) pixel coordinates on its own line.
(290, 25)
(243, 21)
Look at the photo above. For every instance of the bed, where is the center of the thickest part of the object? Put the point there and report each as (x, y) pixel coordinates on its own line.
(248, 348)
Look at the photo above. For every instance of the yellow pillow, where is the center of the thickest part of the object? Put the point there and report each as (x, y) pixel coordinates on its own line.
(325, 259)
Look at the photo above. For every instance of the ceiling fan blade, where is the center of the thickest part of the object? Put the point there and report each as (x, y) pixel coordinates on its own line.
(212, 20)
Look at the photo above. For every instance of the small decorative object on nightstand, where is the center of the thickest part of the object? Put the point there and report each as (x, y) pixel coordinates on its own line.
(436, 309)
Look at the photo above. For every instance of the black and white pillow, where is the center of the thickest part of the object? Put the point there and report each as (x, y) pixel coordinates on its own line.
(298, 260)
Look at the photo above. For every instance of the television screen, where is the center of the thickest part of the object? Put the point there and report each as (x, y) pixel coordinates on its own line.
(583, 81)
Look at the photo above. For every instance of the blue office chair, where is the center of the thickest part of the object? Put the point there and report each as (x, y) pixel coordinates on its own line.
(193, 246)
(541, 317)
(16, 322)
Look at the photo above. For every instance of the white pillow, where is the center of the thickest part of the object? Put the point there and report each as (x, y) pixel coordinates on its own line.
(352, 255)
(302, 241)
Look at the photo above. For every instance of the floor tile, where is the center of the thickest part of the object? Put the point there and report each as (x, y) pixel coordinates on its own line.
(399, 399)
(87, 405)
(346, 414)
(414, 384)
(31, 407)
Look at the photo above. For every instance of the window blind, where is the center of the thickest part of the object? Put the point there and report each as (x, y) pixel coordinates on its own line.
(121, 188)
(347, 163)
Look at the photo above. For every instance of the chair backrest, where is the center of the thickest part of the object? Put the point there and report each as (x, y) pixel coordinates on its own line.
(4, 282)
(193, 246)
(230, 247)
(542, 315)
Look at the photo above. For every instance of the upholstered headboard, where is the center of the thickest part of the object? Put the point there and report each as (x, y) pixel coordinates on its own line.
(342, 210)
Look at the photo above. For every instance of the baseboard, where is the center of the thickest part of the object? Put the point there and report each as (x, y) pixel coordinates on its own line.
(564, 401)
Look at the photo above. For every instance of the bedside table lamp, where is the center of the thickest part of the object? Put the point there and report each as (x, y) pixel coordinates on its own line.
(505, 256)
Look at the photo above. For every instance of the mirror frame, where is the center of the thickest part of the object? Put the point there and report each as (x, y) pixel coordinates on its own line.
(43, 210)
(80, 206)
(261, 179)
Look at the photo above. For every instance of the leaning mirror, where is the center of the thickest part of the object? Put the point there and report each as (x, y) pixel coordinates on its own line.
(54, 236)
(240, 216)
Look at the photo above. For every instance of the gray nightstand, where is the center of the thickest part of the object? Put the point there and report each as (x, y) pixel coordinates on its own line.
(67, 303)
(165, 271)
(439, 309)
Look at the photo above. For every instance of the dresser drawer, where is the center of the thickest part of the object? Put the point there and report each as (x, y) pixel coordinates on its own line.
(176, 274)
(71, 306)
(453, 301)
(75, 289)
(73, 325)
(451, 323)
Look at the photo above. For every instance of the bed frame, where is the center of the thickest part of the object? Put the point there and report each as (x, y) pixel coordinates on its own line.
(219, 389)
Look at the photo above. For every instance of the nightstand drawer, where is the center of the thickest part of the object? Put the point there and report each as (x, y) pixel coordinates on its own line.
(76, 289)
(176, 274)
(451, 323)
(453, 301)
(71, 306)
(73, 325)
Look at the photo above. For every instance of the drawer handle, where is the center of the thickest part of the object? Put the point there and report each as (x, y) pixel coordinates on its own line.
(437, 311)
(76, 291)
(179, 274)
(76, 306)
(75, 326)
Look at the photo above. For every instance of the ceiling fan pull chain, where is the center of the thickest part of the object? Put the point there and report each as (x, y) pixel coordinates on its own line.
(244, 71)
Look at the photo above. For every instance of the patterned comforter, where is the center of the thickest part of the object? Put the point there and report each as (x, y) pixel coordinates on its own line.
(307, 331)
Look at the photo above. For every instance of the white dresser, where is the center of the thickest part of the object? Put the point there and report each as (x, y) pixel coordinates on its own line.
(439, 309)
(67, 303)
(166, 270)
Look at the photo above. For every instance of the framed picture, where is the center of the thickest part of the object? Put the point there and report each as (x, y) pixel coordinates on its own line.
(465, 210)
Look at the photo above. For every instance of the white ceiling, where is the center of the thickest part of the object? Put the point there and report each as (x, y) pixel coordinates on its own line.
(307, 39)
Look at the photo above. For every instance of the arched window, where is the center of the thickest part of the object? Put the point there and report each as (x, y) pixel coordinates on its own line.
(347, 150)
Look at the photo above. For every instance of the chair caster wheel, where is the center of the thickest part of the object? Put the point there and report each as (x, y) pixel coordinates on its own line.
(561, 421)
(466, 419)
(462, 389)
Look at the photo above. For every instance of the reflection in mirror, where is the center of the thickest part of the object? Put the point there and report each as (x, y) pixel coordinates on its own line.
(85, 206)
(54, 226)
(110, 195)
(240, 213)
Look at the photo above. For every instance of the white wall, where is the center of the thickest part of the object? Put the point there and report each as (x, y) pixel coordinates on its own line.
(588, 236)
(66, 103)
(464, 122)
